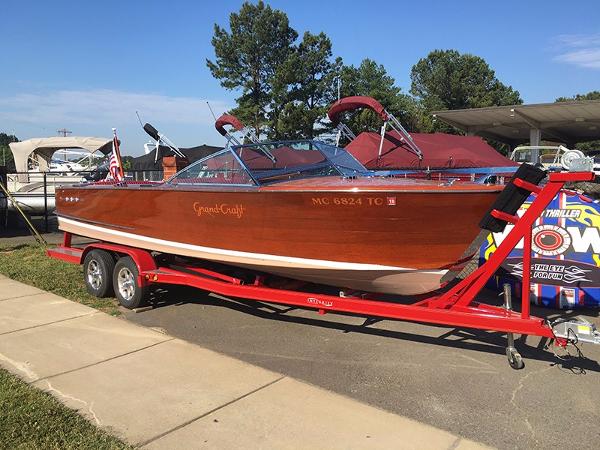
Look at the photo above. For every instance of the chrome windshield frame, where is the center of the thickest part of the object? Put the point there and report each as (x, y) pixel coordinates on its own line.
(364, 171)
(248, 171)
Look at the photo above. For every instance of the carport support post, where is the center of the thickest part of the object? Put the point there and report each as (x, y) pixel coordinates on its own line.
(45, 202)
(535, 137)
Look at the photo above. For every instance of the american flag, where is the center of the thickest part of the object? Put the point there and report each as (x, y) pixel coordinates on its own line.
(115, 168)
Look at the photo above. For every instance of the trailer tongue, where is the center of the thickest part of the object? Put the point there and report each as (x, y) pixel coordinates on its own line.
(131, 271)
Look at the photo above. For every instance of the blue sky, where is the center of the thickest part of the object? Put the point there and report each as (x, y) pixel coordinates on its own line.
(89, 66)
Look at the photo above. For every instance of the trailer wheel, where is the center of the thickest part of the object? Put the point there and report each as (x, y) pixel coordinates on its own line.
(98, 267)
(127, 290)
(514, 358)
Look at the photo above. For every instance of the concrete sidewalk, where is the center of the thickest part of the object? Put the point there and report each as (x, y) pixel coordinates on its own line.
(156, 391)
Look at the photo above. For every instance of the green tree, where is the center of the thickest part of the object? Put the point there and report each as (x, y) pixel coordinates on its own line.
(371, 79)
(593, 95)
(447, 79)
(248, 55)
(127, 162)
(306, 86)
(6, 156)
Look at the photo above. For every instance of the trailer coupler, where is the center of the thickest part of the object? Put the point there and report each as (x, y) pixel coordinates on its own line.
(575, 331)
(570, 333)
(566, 332)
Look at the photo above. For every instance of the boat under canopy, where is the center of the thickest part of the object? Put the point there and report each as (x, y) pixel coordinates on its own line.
(42, 149)
(32, 189)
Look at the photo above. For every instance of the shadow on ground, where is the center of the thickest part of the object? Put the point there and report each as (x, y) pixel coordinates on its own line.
(531, 347)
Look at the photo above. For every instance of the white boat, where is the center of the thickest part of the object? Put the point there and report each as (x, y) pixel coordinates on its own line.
(43, 164)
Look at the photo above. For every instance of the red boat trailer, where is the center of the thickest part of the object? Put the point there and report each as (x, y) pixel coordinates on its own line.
(136, 269)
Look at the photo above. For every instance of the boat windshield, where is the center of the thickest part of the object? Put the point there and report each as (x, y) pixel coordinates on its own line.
(271, 162)
(219, 168)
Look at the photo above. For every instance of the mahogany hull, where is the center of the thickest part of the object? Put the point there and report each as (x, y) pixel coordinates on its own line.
(377, 239)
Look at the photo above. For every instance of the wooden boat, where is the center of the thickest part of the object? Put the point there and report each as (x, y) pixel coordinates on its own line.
(302, 209)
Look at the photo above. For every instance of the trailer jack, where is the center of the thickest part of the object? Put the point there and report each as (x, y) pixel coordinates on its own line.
(514, 357)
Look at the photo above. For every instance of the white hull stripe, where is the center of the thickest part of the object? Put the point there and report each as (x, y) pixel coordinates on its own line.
(241, 257)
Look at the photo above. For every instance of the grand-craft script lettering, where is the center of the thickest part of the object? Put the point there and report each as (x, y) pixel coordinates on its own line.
(223, 209)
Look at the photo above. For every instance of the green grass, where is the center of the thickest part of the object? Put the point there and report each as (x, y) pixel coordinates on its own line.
(29, 264)
(32, 419)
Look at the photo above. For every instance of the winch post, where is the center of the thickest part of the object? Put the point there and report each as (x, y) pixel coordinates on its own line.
(526, 282)
(464, 292)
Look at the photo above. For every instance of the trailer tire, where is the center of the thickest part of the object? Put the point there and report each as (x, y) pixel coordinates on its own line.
(98, 267)
(125, 280)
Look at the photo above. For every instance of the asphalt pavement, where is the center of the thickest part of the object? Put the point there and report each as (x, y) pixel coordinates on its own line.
(456, 380)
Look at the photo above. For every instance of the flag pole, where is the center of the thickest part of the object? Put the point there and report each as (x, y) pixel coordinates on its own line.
(118, 153)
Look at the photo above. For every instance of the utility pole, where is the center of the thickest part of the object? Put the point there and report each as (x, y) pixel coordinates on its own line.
(64, 132)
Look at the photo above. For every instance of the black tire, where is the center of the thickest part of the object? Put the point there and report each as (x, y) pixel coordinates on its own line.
(98, 267)
(125, 281)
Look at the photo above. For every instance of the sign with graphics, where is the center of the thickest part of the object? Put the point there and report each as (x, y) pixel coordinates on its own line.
(565, 259)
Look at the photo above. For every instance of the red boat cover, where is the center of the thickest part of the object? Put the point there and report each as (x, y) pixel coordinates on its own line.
(228, 119)
(352, 103)
(440, 150)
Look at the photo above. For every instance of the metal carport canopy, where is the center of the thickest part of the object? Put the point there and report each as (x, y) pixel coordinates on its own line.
(565, 122)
